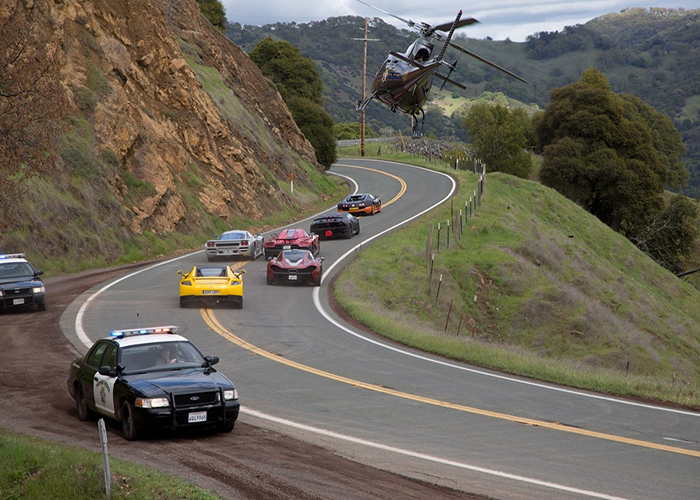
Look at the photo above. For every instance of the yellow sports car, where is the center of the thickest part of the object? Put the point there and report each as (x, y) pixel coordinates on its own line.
(211, 284)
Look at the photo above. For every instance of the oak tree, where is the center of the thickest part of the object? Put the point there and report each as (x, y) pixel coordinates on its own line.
(301, 88)
(613, 155)
(499, 136)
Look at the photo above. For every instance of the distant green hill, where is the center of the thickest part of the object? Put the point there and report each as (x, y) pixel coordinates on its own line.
(653, 54)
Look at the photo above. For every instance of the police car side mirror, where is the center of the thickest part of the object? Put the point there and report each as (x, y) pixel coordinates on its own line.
(322, 258)
(106, 371)
(39, 273)
(211, 360)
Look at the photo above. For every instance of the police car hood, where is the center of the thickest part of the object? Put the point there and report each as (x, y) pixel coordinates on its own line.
(23, 281)
(177, 381)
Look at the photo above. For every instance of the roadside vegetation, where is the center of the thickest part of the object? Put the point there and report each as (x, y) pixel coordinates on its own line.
(35, 469)
(535, 286)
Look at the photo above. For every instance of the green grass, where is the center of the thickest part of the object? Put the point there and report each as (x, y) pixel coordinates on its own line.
(35, 469)
(535, 286)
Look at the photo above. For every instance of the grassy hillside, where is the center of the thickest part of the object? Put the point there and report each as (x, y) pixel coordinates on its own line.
(535, 286)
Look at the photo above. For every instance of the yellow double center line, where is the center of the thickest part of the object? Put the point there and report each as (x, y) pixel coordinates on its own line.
(401, 181)
(211, 320)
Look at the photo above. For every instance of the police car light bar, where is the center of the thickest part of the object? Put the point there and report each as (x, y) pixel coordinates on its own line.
(143, 331)
(12, 256)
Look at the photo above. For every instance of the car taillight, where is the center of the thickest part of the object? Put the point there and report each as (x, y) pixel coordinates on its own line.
(329, 232)
(210, 244)
(245, 242)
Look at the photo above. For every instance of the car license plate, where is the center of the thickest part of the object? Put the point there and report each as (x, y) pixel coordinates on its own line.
(292, 277)
(210, 292)
(197, 416)
(17, 302)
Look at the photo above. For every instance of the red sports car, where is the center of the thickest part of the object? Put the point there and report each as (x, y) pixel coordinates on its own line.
(293, 265)
(293, 238)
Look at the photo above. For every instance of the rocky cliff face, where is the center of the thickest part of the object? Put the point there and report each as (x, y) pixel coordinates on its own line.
(174, 103)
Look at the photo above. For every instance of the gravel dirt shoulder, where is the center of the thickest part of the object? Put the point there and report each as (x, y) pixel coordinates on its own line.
(249, 463)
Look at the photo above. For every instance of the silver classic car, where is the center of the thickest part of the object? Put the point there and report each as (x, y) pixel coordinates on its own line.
(235, 243)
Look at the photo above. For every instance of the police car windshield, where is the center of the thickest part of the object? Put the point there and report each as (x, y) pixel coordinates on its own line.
(15, 270)
(160, 356)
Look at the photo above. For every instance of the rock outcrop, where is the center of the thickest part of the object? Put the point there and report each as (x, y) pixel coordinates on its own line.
(176, 106)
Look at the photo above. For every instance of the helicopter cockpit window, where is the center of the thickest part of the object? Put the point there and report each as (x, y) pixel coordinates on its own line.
(422, 55)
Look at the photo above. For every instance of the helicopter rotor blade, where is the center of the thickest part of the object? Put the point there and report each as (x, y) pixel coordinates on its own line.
(446, 79)
(486, 61)
(447, 26)
(407, 21)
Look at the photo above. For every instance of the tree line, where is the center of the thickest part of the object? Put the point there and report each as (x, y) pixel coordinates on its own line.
(610, 153)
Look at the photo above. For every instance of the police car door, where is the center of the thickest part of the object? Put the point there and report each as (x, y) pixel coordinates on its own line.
(103, 385)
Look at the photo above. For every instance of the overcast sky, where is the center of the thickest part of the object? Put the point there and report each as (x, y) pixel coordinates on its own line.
(499, 19)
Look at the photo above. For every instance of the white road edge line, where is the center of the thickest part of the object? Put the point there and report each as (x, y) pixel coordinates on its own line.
(325, 314)
(429, 458)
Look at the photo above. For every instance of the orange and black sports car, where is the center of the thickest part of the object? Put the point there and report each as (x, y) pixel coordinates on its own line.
(361, 203)
(340, 225)
(293, 265)
(293, 238)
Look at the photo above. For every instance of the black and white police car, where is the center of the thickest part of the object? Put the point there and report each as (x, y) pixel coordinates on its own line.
(20, 284)
(152, 378)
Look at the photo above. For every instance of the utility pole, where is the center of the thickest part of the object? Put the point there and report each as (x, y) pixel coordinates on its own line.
(364, 73)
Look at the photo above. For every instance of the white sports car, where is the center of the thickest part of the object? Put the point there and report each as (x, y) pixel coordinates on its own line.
(235, 244)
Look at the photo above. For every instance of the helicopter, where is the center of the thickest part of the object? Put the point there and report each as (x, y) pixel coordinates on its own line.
(405, 79)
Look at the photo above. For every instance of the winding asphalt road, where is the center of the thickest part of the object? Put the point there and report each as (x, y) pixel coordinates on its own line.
(301, 370)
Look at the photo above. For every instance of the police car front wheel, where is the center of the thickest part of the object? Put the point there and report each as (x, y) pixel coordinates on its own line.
(128, 425)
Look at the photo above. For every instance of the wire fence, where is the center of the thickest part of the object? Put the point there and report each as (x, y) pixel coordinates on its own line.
(443, 235)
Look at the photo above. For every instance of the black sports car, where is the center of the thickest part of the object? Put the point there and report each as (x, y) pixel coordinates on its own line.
(338, 225)
(20, 284)
(152, 378)
(361, 203)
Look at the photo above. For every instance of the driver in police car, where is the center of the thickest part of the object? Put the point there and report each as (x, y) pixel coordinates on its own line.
(165, 356)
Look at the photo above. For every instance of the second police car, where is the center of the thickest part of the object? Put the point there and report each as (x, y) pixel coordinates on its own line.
(20, 284)
(152, 378)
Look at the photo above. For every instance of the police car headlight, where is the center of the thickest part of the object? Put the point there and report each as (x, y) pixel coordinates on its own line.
(152, 402)
(230, 394)
(39, 289)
